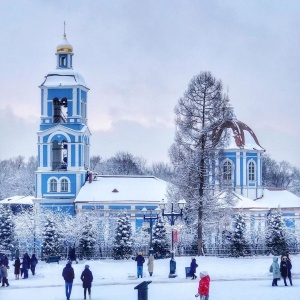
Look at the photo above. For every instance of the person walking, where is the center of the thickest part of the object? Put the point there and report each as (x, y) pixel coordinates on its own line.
(68, 275)
(275, 269)
(25, 266)
(72, 254)
(284, 269)
(33, 263)
(139, 262)
(17, 266)
(203, 288)
(4, 275)
(193, 268)
(87, 279)
(150, 264)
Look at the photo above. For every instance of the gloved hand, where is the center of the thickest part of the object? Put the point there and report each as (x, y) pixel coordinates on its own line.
(197, 295)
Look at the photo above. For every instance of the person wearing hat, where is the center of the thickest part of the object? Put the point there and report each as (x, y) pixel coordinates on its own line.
(68, 275)
(193, 268)
(87, 279)
(139, 262)
(203, 288)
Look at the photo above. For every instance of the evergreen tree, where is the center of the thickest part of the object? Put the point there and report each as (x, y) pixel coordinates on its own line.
(6, 228)
(123, 240)
(239, 245)
(160, 242)
(50, 238)
(88, 240)
(275, 235)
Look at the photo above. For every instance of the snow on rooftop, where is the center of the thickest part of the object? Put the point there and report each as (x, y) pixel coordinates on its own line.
(28, 200)
(123, 189)
(274, 198)
(63, 77)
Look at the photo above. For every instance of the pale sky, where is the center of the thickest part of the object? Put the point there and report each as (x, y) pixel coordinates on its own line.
(138, 57)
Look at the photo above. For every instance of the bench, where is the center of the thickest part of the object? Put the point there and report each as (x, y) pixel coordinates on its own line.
(52, 259)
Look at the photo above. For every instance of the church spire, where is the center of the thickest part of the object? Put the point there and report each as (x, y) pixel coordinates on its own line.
(64, 52)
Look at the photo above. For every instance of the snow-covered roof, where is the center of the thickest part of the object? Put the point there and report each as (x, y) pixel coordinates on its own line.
(240, 201)
(63, 77)
(26, 200)
(283, 198)
(123, 189)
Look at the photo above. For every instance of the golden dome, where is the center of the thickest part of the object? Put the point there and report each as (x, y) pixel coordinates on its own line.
(65, 46)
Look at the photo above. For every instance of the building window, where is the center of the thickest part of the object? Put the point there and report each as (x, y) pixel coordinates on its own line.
(227, 170)
(251, 171)
(64, 184)
(53, 185)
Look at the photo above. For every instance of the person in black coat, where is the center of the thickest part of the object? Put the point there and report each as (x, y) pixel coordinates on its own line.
(288, 261)
(193, 268)
(17, 266)
(25, 265)
(87, 279)
(284, 268)
(33, 263)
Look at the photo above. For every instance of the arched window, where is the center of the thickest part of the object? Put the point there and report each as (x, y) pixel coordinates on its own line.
(251, 171)
(227, 170)
(64, 185)
(53, 185)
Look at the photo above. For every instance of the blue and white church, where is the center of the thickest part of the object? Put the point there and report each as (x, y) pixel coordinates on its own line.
(63, 136)
(64, 180)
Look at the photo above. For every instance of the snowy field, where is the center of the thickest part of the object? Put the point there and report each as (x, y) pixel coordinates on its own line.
(231, 279)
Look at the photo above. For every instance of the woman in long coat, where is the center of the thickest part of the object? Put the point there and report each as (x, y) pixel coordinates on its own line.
(150, 264)
(17, 265)
(274, 268)
(87, 279)
(284, 268)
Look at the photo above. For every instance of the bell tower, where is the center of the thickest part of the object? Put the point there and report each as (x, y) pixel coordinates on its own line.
(63, 136)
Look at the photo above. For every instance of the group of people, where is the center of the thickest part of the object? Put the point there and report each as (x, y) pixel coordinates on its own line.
(28, 263)
(86, 278)
(283, 270)
(19, 267)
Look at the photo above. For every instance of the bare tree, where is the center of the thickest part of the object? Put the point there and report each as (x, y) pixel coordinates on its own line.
(199, 114)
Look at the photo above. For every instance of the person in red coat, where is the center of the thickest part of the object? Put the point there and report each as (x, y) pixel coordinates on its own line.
(203, 289)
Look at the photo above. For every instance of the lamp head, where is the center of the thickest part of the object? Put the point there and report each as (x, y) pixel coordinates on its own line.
(181, 203)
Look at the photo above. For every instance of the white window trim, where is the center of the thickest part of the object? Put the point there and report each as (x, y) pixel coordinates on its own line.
(227, 160)
(254, 171)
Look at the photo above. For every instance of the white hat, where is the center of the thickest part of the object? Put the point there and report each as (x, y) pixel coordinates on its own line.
(203, 273)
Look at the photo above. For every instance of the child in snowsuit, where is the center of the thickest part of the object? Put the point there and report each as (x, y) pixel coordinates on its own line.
(274, 268)
(193, 268)
(4, 275)
(203, 289)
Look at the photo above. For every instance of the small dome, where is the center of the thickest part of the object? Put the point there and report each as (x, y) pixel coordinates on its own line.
(65, 46)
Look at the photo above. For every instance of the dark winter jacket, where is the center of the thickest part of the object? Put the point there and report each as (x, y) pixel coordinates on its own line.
(5, 260)
(33, 260)
(87, 278)
(25, 264)
(193, 266)
(140, 260)
(72, 255)
(68, 273)
(284, 268)
(17, 266)
(289, 267)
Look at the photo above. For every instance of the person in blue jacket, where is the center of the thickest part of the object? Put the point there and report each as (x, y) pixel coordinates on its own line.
(87, 279)
(193, 268)
(139, 262)
(68, 275)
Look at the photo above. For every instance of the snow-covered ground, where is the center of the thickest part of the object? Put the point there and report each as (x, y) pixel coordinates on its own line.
(231, 279)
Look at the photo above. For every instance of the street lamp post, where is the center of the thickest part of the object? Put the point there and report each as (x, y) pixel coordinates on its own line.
(172, 217)
(150, 219)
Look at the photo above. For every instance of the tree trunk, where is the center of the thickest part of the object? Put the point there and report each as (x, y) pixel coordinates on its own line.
(200, 209)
